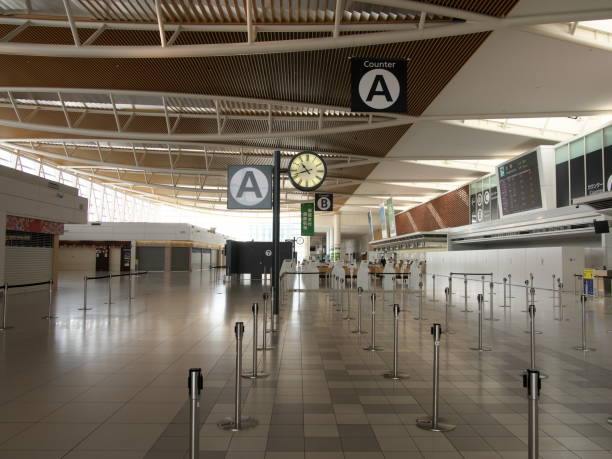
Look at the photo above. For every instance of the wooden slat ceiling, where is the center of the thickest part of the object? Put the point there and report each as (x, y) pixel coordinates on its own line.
(319, 77)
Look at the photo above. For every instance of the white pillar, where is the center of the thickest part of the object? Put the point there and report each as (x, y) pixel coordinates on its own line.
(133, 266)
(337, 237)
(306, 246)
(606, 245)
(2, 244)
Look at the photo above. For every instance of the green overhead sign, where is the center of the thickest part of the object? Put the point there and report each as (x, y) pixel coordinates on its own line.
(307, 219)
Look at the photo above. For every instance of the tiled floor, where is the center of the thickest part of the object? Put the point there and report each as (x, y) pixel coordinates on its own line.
(112, 384)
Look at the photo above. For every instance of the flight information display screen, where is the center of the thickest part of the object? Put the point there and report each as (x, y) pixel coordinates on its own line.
(519, 184)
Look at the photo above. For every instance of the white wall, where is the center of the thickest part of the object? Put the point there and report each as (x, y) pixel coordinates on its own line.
(142, 232)
(82, 259)
(542, 262)
(26, 195)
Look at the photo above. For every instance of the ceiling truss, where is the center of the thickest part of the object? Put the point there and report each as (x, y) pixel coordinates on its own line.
(185, 33)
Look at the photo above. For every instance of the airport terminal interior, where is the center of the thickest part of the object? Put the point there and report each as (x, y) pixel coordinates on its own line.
(305, 229)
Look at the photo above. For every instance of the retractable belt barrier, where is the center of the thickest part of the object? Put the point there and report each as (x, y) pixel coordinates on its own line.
(5, 288)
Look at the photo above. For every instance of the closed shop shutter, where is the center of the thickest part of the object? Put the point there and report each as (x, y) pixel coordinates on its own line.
(180, 258)
(196, 259)
(24, 265)
(150, 258)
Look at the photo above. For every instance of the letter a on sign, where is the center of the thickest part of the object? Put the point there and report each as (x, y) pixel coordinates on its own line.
(378, 85)
(249, 187)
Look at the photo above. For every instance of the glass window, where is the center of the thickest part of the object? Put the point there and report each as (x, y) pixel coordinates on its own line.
(577, 148)
(562, 154)
(594, 142)
(607, 136)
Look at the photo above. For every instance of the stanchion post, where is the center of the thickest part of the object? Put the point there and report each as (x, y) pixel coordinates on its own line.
(510, 289)
(4, 307)
(372, 347)
(110, 283)
(420, 316)
(50, 316)
(560, 299)
(526, 295)
(237, 422)
(465, 294)
(394, 374)
(505, 305)
(264, 328)
(348, 302)
(491, 318)
(482, 280)
(254, 374)
(432, 422)
(480, 347)
(450, 290)
(447, 294)
(84, 308)
(195, 383)
(533, 383)
(583, 327)
(359, 302)
(433, 287)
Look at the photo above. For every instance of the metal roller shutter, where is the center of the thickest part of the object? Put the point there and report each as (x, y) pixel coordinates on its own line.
(28, 264)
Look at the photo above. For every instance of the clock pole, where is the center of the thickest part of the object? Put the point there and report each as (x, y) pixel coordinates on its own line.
(276, 240)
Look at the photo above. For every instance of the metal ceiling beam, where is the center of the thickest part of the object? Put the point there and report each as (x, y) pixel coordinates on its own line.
(582, 36)
(300, 45)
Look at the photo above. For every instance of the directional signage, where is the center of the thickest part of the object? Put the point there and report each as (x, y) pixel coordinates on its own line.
(249, 187)
(378, 85)
(324, 202)
(307, 209)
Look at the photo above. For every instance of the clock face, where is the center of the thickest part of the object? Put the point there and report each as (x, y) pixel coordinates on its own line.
(307, 171)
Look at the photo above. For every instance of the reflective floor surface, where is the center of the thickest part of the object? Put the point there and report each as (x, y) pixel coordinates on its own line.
(112, 382)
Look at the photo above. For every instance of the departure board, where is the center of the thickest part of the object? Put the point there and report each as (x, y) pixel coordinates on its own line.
(519, 184)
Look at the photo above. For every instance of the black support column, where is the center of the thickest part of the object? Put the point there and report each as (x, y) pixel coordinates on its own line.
(276, 240)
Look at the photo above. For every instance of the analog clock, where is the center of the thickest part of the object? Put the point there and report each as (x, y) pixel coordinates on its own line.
(307, 171)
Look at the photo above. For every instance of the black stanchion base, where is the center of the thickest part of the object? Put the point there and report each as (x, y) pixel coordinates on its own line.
(609, 420)
(467, 310)
(84, 309)
(108, 302)
(49, 317)
(230, 424)
(537, 332)
(256, 376)
(494, 319)
(427, 424)
(584, 349)
(267, 348)
(396, 377)
(359, 332)
(6, 327)
(373, 348)
(481, 349)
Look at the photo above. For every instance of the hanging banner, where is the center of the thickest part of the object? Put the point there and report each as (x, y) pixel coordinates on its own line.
(307, 218)
(378, 85)
(391, 218)
(383, 221)
(370, 225)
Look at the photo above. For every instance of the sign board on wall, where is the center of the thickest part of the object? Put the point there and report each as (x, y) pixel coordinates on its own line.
(519, 184)
(249, 187)
(391, 218)
(307, 220)
(378, 85)
(383, 221)
(324, 202)
(484, 205)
